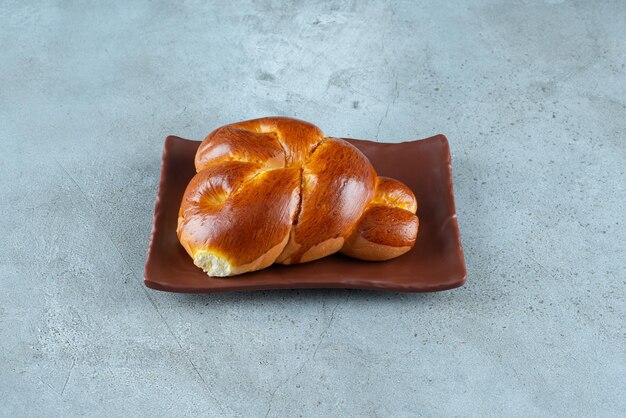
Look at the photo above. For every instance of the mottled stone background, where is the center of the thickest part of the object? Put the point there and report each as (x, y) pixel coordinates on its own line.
(531, 95)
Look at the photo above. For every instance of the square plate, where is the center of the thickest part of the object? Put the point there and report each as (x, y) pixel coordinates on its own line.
(435, 263)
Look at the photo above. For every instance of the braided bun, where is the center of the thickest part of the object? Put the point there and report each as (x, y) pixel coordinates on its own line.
(276, 190)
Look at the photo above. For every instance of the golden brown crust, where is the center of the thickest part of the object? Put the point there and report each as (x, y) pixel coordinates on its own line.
(394, 227)
(297, 137)
(382, 233)
(276, 190)
(215, 183)
(391, 192)
(232, 143)
(388, 227)
(359, 247)
(337, 183)
(236, 229)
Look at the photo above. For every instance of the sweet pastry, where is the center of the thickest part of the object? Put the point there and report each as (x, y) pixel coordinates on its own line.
(277, 190)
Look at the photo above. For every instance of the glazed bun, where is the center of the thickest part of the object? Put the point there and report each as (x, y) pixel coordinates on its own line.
(276, 190)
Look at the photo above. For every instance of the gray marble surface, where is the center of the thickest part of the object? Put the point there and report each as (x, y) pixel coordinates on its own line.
(531, 95)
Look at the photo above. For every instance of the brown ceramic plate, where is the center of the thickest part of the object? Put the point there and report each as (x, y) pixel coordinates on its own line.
(435, 263)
